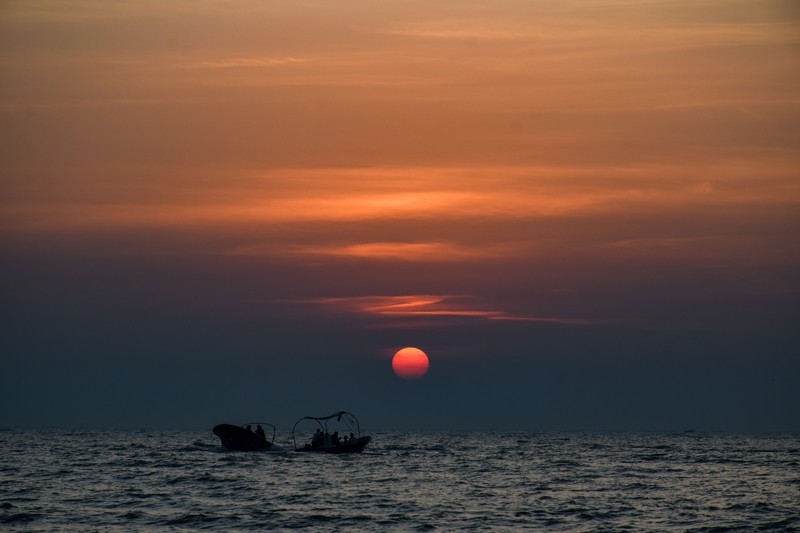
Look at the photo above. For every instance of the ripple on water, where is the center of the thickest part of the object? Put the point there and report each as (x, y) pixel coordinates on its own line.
(404, 481)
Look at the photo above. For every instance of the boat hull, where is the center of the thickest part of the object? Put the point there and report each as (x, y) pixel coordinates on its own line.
(239, 439)
(351, 446)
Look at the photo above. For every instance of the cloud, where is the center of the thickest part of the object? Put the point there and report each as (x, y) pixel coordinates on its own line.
(464, 29)
(431, 306)
(305, 196)
(246, 62)
(429, 252)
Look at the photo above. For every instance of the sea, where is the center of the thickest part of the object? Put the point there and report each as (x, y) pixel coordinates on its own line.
(404, 481)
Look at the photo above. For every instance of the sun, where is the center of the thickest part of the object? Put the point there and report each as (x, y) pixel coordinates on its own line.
(410, 363)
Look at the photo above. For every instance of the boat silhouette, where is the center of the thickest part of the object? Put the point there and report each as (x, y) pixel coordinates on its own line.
(326, 437)
(243, 438)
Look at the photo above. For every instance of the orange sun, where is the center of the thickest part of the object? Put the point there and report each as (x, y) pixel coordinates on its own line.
(410, 363)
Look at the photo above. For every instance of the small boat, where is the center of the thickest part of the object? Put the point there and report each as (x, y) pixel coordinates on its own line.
(326, 437)
(243, 438)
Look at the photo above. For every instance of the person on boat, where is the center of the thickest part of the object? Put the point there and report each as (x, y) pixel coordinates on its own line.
(352, 436)
(335, 439)
(260, 432)
(316, 440)
(249, 428)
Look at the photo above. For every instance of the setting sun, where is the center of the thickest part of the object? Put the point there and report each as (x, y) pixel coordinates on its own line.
(410, 363)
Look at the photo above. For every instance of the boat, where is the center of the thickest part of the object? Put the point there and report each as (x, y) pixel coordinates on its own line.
(322, 434)
(243, 438)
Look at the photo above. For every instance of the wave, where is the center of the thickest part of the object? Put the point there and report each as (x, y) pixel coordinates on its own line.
(406, 482)
(16, 518)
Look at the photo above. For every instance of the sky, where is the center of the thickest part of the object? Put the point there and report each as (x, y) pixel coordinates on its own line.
(586, 213)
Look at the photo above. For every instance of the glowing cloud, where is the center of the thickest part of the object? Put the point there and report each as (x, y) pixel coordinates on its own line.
(412, 251)
(430, 305)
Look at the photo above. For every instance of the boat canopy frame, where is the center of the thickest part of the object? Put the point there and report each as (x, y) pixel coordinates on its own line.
(322, 422)
(262, 424)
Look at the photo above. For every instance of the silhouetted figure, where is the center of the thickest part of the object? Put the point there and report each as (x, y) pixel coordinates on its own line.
(249, 428)
(316, 440)
(335, 439)
(260, 432)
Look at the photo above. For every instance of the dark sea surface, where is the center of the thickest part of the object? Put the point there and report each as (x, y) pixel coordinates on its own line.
(171, 480)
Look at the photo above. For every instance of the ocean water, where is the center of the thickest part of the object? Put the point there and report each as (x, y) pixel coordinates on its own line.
(171, 480)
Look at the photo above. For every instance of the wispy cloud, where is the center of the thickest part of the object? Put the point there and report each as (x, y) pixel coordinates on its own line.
(463, 29)
(429, 252)
(431, 305)
(408, 193)
(246, 62)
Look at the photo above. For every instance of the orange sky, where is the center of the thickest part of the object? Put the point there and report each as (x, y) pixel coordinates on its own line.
(390, 132)
(510, 181)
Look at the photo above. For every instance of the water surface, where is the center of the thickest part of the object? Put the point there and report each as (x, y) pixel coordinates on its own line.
(125, 480)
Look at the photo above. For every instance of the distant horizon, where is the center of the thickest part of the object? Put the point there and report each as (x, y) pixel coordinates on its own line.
(278, 440)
